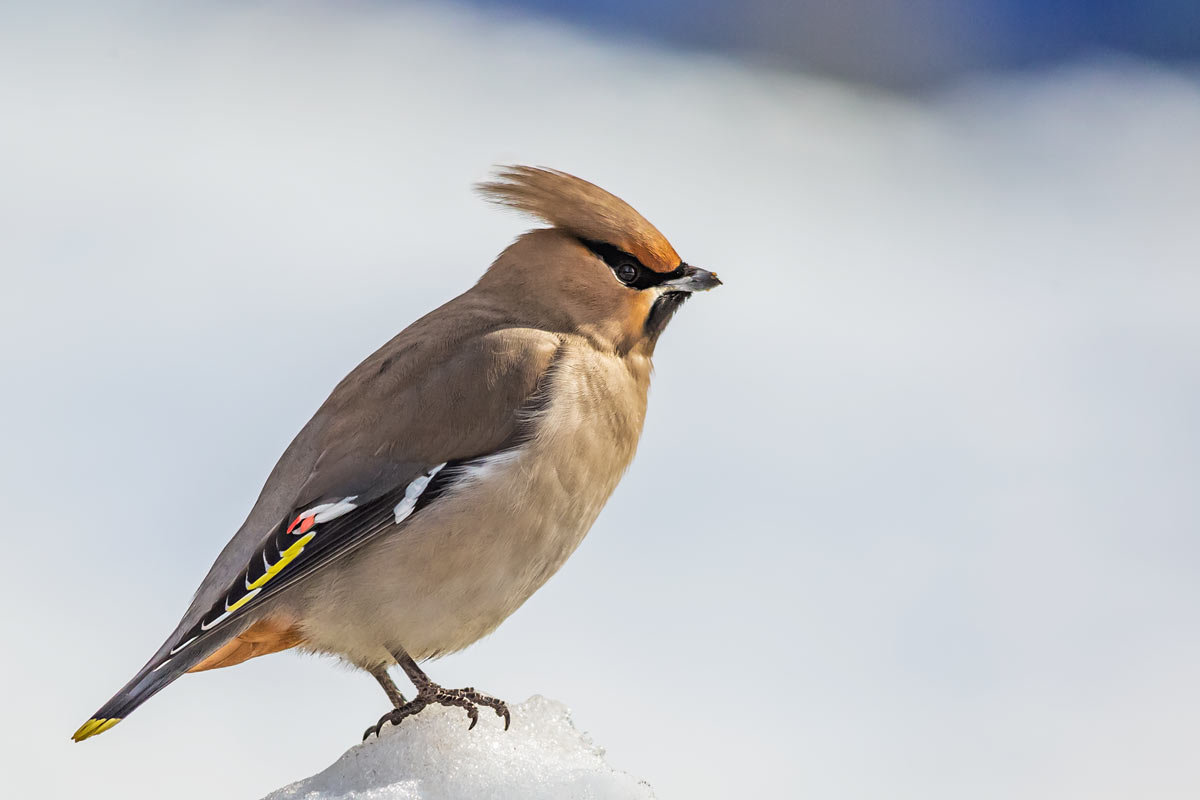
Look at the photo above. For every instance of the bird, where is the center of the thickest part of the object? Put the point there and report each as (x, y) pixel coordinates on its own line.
(450, 474)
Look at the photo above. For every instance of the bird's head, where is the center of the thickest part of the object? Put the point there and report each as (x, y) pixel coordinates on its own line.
(602, 270)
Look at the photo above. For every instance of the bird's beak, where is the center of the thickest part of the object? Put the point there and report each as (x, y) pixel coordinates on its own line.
(693, 279)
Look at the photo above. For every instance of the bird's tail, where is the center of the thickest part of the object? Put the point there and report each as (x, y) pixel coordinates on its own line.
(159, 671)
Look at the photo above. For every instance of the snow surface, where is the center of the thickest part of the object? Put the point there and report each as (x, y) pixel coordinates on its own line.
(433, 756)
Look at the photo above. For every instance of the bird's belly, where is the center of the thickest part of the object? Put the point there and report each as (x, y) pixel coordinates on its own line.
(466, 562)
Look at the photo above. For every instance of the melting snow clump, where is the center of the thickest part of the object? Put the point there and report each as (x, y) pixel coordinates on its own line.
(433, 756)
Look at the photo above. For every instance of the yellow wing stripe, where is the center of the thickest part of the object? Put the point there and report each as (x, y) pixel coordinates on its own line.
(284, 559)
(94, 727)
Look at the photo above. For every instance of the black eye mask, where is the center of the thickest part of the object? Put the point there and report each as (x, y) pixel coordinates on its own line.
(644, 277)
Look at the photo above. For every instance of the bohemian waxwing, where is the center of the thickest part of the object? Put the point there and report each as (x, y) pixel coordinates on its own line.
(452, 472)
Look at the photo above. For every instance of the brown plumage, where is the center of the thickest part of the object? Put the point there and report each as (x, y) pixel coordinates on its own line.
(452, 472)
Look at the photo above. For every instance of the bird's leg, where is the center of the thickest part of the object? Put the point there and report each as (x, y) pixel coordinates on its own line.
(429, 693)
(389, 686)
(380, 674)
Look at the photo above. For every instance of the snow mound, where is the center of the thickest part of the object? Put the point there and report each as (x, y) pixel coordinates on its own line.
(433, 756)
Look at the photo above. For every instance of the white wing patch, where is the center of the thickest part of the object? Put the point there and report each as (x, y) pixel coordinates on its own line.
(328, 511)
(413, 493)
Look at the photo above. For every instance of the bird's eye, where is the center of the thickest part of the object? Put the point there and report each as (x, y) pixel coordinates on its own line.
(627, 273)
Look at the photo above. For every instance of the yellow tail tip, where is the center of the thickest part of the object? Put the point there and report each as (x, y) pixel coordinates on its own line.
(94, 727)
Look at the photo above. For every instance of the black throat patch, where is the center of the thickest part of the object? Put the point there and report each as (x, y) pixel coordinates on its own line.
(661, 312)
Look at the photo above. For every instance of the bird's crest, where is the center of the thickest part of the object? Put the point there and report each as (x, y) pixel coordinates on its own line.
(582, 209)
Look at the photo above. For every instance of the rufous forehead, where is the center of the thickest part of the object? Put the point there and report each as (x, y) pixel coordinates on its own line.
(657, 259)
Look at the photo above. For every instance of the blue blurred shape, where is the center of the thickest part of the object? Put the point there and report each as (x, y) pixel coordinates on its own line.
(910, 44)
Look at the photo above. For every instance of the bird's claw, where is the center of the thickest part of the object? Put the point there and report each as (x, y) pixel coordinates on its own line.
(467, 699)
(499, 706)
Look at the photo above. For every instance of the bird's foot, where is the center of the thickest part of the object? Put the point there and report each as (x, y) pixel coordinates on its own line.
(432, 694)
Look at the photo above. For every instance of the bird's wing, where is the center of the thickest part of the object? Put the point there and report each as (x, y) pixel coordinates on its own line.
(314, 538)
(394, 424)
(454, 386)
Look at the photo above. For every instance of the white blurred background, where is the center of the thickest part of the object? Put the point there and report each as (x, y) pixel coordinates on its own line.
(915, 514)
